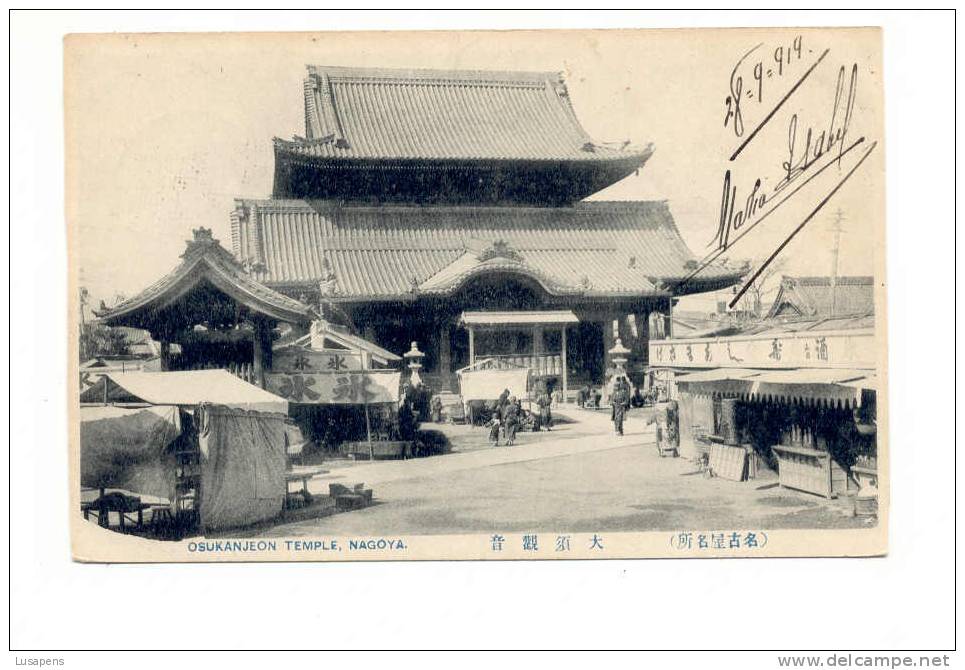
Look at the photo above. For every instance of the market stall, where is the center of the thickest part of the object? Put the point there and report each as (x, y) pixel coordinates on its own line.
(815, 426)
(361, 412)
(209, 444)
(483, 385)
(504, 337)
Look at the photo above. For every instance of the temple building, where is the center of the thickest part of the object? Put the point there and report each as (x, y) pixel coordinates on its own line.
(418, 201)
(445, 208)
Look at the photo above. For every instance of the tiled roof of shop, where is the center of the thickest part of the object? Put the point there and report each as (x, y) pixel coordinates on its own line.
(206, 259)
(592, 248)
(437, 114)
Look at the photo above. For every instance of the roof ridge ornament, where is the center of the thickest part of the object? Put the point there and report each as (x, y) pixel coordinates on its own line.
(321, 111)
(203, 240)
(500, 249)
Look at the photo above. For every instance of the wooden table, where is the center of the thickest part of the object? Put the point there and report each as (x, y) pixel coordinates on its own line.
(377, 449)
(302, 475)
(103, 515)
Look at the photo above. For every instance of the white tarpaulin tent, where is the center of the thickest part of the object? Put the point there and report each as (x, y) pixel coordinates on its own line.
(184, 389)
(488, 384)
(240, 433)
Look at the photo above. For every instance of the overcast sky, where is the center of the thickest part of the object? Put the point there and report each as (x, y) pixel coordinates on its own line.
(164, 131)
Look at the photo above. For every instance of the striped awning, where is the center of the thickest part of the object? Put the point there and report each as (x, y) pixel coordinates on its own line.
(717, 374)
(807, 385)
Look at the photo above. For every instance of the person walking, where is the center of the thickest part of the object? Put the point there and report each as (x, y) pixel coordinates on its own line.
(496, 422)
(501, 400)
(510, 419)
(435, 406)
(619, 402)
(545, 416)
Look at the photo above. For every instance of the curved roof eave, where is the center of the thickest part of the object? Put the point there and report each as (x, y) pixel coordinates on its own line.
(205, 262)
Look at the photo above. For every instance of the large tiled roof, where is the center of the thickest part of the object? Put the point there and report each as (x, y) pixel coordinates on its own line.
(204, 260)
(810, 297)
(361, 253)
(366, 113)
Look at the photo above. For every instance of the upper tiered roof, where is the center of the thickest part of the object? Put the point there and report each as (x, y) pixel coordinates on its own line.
(492, 123)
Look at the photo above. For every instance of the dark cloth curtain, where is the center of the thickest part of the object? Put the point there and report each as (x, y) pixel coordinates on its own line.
(243, 466)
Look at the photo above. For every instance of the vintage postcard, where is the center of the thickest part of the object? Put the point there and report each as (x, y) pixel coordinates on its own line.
(477, 295)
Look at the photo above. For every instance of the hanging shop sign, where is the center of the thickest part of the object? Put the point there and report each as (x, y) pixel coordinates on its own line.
(348, 388)
(301, 360)
(848, 349)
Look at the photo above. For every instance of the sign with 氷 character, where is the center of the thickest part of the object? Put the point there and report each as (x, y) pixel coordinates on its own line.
(347, 388)
(302, 360)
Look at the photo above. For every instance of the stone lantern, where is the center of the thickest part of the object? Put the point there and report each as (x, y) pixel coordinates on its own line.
(413, 359)
(619, 355)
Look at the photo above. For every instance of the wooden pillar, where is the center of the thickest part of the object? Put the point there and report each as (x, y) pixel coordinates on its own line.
(608, 340)
(445, 358)
(165, 355)
(260, 353)
(563, 356)
(472, 345)
(643, 324)
(669, 329)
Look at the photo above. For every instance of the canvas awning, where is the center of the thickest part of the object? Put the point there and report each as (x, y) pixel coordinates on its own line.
(840, 386)
(719, 381)
(560, 317)
(811, 376)
(187, 388)
(717, 374)
(488, 384)
(811, 385)
(869, 383)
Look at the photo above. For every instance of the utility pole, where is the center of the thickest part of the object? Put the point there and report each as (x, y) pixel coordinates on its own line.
(836, 228)
(84, 295)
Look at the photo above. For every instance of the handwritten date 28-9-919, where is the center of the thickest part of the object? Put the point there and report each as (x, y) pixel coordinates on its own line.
(761, 70)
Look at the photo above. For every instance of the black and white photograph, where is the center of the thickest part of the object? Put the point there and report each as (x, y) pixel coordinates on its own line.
(340, 333)
(334, 306)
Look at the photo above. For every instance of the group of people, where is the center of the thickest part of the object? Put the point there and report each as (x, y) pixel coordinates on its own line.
(590, 397)
(587, 396)
(506, 418)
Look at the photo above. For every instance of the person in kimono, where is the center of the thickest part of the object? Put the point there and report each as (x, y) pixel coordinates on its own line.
(544, 417)
(619, 402)
(435, 406)
(510, 419)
